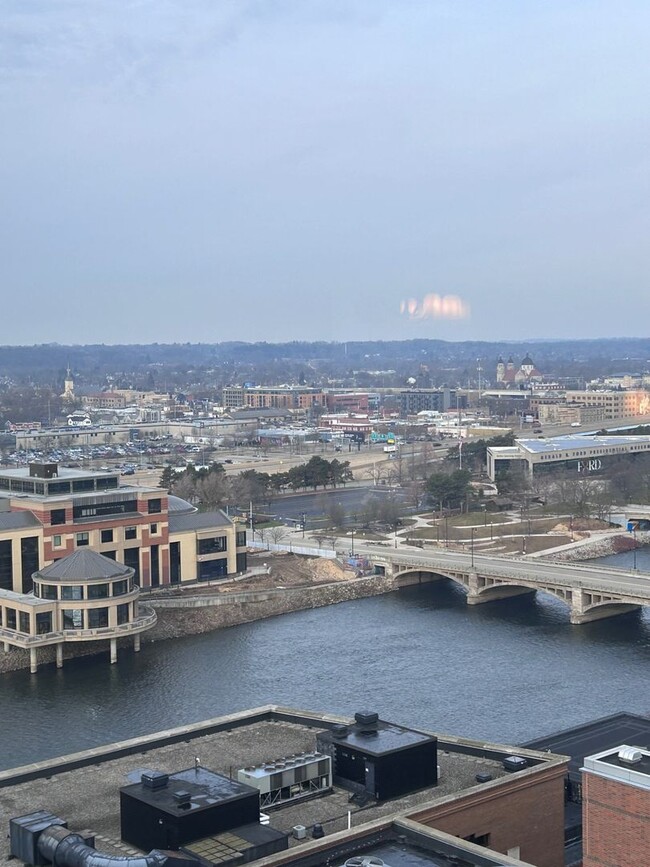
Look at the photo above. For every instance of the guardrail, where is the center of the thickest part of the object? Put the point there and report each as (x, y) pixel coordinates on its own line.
(145, 620)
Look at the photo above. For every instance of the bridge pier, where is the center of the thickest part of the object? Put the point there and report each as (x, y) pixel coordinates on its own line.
(587, 607)
(480, 590)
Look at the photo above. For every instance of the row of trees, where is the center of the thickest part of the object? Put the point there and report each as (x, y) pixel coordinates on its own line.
(211, 488)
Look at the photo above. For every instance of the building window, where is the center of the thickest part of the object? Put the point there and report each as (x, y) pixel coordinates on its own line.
(97, 591)
(155, 506)
(132, 560)
(73, 618)
(122, 614)
(153, 529)
(56, 541)
(175, 562)
(213, 569)
(109, 554)
(107, 535)
(155, 566)
(478, 839)
(6, 566)
(241, 539)
(24, 624)
(130, 532)
(29, 561)
(97, 618)
(82, 539)
(120, 588)
(57, 516)
(10, 618)
(48, 591)
(216, 545)
(73, 592)
(44, 623)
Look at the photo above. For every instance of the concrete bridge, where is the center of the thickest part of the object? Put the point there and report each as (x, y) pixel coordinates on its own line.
(591, 592)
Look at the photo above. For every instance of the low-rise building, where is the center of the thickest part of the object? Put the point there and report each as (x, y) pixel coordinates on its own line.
(48, 512)
(583, 455)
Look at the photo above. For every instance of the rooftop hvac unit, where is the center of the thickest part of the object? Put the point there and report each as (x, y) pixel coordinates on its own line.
(630, 755)
(514, 763)
(290, 777)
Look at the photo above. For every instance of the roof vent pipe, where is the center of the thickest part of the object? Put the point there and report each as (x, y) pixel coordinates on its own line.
(63, 848)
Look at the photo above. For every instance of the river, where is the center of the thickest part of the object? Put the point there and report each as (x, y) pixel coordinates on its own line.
(506, 671)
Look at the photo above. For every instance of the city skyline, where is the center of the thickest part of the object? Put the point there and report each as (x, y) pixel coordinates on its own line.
(251, 171)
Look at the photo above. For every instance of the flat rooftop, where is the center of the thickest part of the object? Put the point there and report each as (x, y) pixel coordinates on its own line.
(574, 442)
(595, 737)
(84, 789)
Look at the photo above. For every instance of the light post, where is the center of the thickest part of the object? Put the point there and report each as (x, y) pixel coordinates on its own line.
(634, 534)
(352, 534)
(303, 525)
(472, 545)
(446, 531)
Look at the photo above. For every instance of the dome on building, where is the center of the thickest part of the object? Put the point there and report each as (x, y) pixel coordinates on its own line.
(177, 506)
(84, 564)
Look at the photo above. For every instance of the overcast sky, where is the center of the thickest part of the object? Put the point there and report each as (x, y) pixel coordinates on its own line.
(207, 170)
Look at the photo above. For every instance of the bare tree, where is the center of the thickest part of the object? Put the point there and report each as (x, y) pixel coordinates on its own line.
(185, 488)
(277, 534)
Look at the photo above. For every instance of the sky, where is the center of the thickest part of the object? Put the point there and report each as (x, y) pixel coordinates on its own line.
(211, 170)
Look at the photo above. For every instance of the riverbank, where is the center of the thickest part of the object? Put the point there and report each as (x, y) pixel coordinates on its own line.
(595, 547)
(287, 583)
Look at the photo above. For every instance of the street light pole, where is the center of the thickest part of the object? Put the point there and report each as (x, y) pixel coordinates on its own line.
(352, 534)
(303, 525)
(472, 547)
(634, 532)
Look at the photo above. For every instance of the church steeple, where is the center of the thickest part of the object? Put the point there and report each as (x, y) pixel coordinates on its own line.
(68, 385)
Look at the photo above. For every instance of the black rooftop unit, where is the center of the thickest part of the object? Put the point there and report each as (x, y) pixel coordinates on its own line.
(190, 805)
(380, 759)
(39, 470)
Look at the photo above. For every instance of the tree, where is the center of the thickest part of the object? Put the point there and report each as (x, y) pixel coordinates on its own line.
(214, 490)
(277, 534)
(184, 487)
(450, 489)
(339, 472)
(317, 472)
(167, 478)
(335, 514)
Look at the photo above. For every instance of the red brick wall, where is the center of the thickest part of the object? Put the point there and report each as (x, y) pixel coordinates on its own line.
(616, 823)
(520, 811)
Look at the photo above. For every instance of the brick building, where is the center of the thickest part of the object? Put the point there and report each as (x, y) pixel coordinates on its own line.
(616, 808)
(48, 512)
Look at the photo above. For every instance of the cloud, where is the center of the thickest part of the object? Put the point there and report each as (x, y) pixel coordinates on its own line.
(434, 306)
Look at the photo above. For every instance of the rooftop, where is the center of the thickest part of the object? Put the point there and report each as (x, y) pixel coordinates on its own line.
(84, 564)
(197, 521)
(571, 442)
(624, 763)
(595, 737)
(84, 789)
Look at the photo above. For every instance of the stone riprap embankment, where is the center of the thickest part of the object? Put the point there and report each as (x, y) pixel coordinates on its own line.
(600, 546)
(288, 583)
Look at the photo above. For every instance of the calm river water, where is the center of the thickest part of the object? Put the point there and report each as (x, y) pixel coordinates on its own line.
(508, 671)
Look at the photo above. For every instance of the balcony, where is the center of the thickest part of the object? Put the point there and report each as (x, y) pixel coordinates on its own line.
(145, 620)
